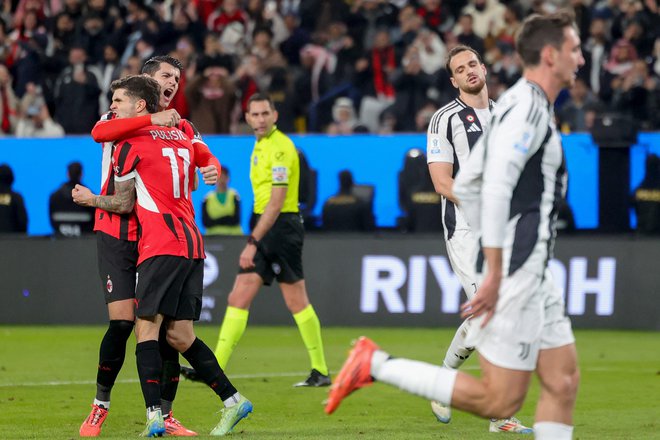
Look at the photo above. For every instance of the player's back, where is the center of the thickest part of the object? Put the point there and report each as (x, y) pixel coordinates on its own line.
(161, 160)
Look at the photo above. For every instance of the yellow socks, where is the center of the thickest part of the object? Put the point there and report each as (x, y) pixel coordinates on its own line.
(231, 331)
(310, 330)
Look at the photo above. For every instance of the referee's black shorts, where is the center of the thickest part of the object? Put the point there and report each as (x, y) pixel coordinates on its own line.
(117, 260)
(279, 254)
(171, 286)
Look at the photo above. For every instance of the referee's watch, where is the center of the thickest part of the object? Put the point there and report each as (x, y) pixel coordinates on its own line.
(252, 240)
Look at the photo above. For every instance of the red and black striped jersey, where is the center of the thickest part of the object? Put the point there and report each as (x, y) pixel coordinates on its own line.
(162, 162)
(108, 130)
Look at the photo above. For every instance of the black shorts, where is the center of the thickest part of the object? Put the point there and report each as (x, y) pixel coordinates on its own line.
(171, 286)
(279, 254)
(117, 260)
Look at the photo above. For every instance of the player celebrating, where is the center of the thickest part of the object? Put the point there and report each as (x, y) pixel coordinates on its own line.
(452, 133)
(117, 251)
(170, 263)
(507, 190)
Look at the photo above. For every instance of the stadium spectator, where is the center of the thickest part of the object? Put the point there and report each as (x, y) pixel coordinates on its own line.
(67, 218)
(373, 80)
(35, 120)
(487, 15)
(298, 38)
(466, 35)
(578, 112)
(646, 198)
(344, 120)
(8, 103)
(346, 212)
(437, 16)
(77, 94)
(221, 209)
(13, 215)
(595, 50)
(638, 95)
(211, 96)
(228, 12)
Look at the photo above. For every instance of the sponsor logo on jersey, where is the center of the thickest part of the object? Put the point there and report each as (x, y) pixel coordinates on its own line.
(523, 145)
(279, 174)
(473, 128)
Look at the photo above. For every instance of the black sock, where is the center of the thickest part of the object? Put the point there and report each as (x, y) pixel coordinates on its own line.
(111, 357)
(171, 371)
(149, 365)
(204, 362)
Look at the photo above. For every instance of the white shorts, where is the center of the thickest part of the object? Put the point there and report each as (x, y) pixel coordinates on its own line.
(462, 250)
(529, 317)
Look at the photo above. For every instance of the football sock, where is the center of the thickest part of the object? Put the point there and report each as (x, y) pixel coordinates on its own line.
(233, 400)
(310, 330)
(202, 360)
(419, 378)
(171, 371)
(552, 431)
(231, 331)
(101, 403)
(149, 365)
(458, 353)
(111, 356)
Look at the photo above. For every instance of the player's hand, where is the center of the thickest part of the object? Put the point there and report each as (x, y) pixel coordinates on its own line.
(246, 260)
(209, 174)
(484, 301)
(166, 118)
(82, 196)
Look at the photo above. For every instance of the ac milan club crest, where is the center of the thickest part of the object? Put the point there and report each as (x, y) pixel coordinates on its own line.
(108, 285)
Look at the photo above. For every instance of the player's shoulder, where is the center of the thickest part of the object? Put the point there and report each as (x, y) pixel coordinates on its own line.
(524, 100)
(442, 116)
(190, 130)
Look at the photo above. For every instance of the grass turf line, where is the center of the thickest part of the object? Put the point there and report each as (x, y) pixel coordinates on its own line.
(617, 398)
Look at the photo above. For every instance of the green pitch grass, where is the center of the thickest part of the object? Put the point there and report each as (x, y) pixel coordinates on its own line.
(47, 384)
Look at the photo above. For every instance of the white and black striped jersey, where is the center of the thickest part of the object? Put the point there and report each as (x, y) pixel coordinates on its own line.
(452, 132)
(515, 176)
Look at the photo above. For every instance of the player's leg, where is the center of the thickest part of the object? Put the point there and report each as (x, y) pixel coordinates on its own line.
(498, 393)
(149, 366)
(557, 368)
(181, 335)
(559, 377)
(309, 326)
(246, 287)
(116, 263)
(169, 386)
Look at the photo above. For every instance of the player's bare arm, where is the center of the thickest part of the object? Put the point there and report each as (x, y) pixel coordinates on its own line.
(266, 221)
(122, 202)
(441, 175)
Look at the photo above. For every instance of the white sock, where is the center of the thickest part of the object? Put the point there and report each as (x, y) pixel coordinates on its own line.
(552, 431)
(233, 400)
(153, 411)
(458, 353)
(102, 403)
(419, 378)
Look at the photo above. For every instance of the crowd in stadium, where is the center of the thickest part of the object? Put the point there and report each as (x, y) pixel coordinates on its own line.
(335, 66)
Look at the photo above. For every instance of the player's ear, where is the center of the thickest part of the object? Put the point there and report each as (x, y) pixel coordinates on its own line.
(453, 82)
(548, 54)
(140, 105)
(276, 115)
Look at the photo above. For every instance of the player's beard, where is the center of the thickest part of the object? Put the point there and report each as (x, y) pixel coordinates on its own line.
(476, 88)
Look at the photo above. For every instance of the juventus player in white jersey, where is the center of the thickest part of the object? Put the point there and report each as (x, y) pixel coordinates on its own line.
(452, 133)
(507, 191)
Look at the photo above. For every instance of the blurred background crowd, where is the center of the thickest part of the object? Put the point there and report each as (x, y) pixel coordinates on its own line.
(333, 66)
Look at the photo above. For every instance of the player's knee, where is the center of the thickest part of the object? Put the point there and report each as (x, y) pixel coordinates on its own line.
(120, 328)
(177, 341)
(564, 386)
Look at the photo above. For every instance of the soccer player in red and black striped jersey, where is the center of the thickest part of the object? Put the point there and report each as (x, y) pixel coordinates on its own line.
(117, 248)
(154, 171)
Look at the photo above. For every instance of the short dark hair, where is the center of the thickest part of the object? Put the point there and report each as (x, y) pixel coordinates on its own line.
(538, 31)
(261, 97)
(455, 51)
(6, 175)
(140, 87)
(152, 65)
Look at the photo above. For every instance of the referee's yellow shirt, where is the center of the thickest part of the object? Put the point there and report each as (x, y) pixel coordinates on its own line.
(274, 162)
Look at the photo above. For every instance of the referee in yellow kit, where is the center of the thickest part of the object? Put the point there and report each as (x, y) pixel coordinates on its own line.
(274, 248)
